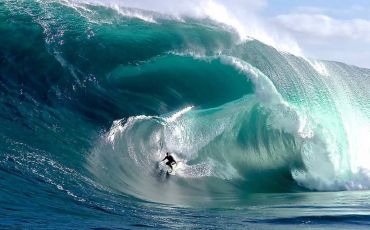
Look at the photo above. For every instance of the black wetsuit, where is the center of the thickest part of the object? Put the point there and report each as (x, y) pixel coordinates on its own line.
(170, 160)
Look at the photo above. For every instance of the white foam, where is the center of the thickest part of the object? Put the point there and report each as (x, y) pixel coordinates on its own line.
(134, 13)
(178, 114)
(319, 67)
(119, 126)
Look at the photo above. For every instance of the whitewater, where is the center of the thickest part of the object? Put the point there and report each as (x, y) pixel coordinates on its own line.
(94, 94)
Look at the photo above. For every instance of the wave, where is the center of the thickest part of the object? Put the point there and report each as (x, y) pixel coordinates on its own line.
(259, 137)
(117, 88)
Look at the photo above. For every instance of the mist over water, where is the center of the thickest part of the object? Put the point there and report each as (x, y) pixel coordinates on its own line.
(94, 94)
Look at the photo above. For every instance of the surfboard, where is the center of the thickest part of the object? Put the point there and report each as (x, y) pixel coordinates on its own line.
(173, 171)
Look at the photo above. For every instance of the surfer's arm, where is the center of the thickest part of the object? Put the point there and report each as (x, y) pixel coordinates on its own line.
(164, 159)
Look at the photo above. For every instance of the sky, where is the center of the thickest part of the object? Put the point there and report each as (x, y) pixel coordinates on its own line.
(330, 30)
(337, 30)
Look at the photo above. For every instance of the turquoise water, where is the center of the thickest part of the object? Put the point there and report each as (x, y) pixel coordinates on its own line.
(93, 96)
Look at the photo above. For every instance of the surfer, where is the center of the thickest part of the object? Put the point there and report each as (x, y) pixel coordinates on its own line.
(170, 160)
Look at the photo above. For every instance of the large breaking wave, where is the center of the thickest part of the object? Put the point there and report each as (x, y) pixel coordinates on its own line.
(115, 88)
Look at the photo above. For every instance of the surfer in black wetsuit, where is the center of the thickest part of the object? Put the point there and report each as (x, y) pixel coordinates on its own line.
(170, 160)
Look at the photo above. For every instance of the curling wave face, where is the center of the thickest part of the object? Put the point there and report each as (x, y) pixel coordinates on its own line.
(116, 88)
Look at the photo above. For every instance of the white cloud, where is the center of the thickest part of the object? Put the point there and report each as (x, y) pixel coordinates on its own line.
(325, 37)
(348, 11)
(322, 26)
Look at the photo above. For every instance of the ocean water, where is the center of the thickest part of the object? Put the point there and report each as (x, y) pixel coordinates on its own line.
(93, 95)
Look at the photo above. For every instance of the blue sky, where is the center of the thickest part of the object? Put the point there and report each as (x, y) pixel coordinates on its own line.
(345, 9)
(332, 30)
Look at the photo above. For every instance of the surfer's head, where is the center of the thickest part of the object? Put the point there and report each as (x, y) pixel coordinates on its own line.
(167, 153)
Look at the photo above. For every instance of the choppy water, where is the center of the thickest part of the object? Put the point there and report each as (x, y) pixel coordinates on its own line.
(93, 96)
